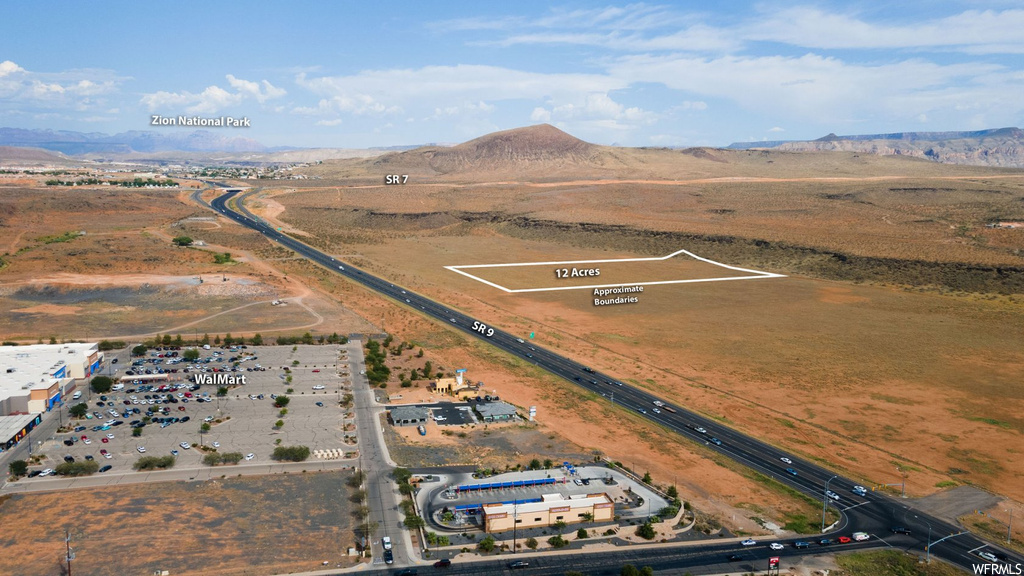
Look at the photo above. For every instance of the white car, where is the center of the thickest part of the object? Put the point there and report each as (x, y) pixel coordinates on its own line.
(986, 555)
(216, 444)
(786, 460)
(832, 495)
(184, 446)
(208, 419)
(776, 546)
(749, 542)
(250, 456)
(859, 490)
(141, 449)
(860, 536)
(87, 441)
(111, 436)
(318, 387)
(386, 541)
(107, 455)
(46, 472)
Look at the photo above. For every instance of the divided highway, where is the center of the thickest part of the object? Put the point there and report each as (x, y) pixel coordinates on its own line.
(874, 513)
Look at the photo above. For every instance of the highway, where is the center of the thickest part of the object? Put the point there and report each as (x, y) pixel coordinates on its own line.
(874, 513)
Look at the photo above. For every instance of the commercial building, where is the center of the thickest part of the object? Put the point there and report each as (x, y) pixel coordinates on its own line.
(36, 378)
(457, 386)
(14, 428)
(408, 415)
(549, 510)
(496, 411)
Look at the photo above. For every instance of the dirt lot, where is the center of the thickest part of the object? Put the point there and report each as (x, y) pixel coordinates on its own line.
(124, 278)
(228, 526)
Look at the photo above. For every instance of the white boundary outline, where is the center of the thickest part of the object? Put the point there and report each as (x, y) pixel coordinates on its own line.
(756, 274)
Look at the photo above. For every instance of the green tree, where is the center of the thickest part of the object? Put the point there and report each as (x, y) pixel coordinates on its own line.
(216, 340)
(531, 543)
(535, 464)
(84, 468)
(257, 339)
(136, 432)
(672, 492)
(548, 463)
(204, 427)
(647, 478)
(18, 468)
(154, 462)
(222, 391)
(414, 522)
(401, 475)
(101, 384)
(486, 545)
(646, 531)
(191, 354)
(279, 424)
(211, 459)
(79, 410)
(557, 541)
(140, 350)
(281, 401)
(291, 453)
(647, 571)
(581, 534)
(205, 340)
(560, 525)
(166, 340)
(629, 570)
(231, 457)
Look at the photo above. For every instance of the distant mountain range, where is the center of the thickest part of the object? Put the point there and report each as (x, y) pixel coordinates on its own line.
(80, 143)
(996, 147)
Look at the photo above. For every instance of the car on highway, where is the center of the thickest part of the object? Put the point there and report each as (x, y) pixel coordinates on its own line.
(899, 530)
(801, 544)
(452, 320)
(988, 556)
(776, 546)
(716, 441)
(844, 539)
(734, 558)
(859, 490)
(749, 542)
(860, 536)
(825, 542)
(443, 563)
(791, 471)
(786, 460)
(517, 564)
(832, 495)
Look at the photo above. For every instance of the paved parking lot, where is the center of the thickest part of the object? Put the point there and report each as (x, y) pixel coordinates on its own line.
(247, 422)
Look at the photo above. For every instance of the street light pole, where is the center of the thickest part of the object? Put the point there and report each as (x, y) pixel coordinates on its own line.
(824, 502)
(515, 522)
(928, 550)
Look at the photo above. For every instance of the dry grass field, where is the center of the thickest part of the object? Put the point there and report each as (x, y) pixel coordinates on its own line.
(895, 341)
(232, 526)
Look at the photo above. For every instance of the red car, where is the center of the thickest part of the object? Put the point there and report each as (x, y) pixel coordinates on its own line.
(844, 540)
(317, 370)
(104, 440)
(182, 408)
(84, 436)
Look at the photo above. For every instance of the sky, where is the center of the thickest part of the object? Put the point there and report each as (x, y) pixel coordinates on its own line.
(364, 74)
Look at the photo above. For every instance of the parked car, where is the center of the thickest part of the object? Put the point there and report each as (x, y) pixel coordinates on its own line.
(442, 563)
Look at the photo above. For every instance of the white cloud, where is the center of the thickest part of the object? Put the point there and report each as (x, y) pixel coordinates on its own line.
(540, 115)
(776, 129)
(253, 89)
(972, 31)
(7, 68)
(214, 98)
(334, 122)
(83, 89)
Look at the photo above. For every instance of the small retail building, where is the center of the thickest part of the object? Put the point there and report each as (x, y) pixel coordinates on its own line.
(14, 428)
(551, 509)
(408, 415)
(496, 411)
(457, 386)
